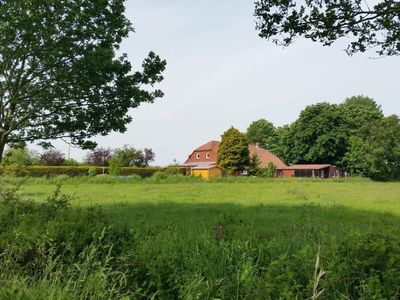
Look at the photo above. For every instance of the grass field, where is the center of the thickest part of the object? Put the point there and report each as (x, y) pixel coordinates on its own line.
(271, 232)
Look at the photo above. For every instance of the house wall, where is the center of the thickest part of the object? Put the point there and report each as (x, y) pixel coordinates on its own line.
(215, 172)
(288, 173)
(208, 173)
(202, 173)
(203, 156)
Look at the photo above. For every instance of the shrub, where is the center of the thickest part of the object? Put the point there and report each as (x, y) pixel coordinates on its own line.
(92, 171)
(51, 250)
(16, 159)
(71, 162)
(269, 171)
(115, 166)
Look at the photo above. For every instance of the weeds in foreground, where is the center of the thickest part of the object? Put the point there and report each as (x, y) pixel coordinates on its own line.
(52, 250)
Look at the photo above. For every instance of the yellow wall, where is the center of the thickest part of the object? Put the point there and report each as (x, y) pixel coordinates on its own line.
(215, 172)
(202, 173)
(208, 173)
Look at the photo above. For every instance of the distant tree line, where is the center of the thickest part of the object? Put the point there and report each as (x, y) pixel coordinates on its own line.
(354, 135)
(127, 156)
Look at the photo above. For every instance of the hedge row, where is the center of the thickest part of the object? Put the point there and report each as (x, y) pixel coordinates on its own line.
(39, 171)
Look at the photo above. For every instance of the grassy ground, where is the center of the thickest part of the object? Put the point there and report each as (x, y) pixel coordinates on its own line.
(202, 202)
(271, 229)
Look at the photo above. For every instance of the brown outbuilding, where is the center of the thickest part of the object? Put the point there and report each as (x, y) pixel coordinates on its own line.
(310, 170)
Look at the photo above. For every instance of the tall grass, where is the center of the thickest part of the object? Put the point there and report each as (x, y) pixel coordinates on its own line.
(54, 249)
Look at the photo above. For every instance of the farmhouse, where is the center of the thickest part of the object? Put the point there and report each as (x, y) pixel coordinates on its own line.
(205, 158)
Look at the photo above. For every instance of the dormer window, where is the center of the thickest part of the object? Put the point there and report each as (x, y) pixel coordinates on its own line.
(197, 155)
(208, 155)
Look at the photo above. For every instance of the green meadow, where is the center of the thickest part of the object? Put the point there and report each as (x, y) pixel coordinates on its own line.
(180, 237)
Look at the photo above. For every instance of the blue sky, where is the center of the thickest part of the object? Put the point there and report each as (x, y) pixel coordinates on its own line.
(221, 74)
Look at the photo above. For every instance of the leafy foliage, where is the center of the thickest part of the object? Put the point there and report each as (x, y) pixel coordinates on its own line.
(60, 75)
(131, 157)
(357, 159)
(354, 135)
(264, 133)
(99, 157)
(52, 157)
(319, 135)
(233, 152)
(115, 165)
(254, 165)
(20, 157)
(385, 149)
(369, 27)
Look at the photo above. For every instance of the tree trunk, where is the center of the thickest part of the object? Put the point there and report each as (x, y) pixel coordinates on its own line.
(3, 139)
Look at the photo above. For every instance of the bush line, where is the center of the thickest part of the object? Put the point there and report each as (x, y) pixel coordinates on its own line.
(40, 171)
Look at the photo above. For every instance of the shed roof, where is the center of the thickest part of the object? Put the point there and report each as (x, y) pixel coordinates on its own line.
(206, 167)
(198, 164)
(307, 167)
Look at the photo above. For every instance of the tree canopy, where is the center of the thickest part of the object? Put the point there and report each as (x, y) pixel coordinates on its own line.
(60, 76)
(131, 157)
(233, 152)
(264, 133)
(99, 157)
(52, 157)
(318, 136)
(354, 135)
(368, 26)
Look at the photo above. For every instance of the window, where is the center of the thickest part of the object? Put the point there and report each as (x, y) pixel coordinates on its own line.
(302, 173)
(208, 155)
(197, 155)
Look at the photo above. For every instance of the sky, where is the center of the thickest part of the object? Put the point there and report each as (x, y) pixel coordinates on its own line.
(220, 73)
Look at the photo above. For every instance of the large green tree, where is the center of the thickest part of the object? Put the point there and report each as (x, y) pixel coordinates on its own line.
(233, 152)
(319, 135)
(375, 26)
(60, 76)
(358, 159)
(384, 145)
(361, 113)
(363, 118)
(264, 133)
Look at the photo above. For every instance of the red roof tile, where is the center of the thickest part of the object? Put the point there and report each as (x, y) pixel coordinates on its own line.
(212, 145)
(266, 157)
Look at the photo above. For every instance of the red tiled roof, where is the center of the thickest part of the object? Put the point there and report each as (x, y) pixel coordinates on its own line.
(308, 167)
(212, 145)
(266, 157)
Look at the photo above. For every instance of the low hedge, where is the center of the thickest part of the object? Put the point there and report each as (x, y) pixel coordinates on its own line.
(40, 171)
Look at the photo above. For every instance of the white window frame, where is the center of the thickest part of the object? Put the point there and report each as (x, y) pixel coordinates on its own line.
(197, 155)
(208, 155)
